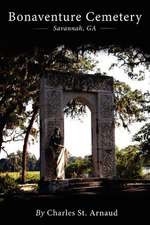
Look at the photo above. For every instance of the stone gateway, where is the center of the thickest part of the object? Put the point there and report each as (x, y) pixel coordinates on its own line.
(93, 90)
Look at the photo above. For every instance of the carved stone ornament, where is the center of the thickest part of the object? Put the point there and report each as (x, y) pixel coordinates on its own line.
(79, 82)
(108, 163)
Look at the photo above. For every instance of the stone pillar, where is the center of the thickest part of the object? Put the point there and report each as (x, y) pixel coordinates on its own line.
(51, 116)
(106, 143)
(94, 142)
(99, 137)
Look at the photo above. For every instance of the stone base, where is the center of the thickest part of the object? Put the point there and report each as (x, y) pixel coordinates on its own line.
(53, 186)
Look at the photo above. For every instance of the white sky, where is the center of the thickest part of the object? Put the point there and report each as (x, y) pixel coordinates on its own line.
(78, 132)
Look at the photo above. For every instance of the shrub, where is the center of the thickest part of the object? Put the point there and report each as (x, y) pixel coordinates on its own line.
(79, 167)
(8, 185)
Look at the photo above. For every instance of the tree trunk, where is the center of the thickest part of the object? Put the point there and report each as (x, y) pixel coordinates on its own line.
(3, 121)
(24, 153)
(2, 125)
(1, 139)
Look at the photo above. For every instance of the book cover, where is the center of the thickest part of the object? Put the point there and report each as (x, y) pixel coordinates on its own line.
(55, 53)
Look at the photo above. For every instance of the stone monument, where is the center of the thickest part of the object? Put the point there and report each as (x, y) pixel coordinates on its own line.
(94, 90)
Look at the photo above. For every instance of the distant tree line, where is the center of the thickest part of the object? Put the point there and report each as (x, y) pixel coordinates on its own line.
(13, 163)
(129, 163)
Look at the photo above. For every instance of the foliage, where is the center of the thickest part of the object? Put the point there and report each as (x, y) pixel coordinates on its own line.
(4, 165)
(129, 162)
(143, 137)
(75, 108)
(133, 60)
(79, 167)
(8, 184)
(18, 87)
(65, 59)
(130, 106)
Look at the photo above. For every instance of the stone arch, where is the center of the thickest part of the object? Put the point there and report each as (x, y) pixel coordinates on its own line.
(88, 100)
(96, 91)
(81, 97)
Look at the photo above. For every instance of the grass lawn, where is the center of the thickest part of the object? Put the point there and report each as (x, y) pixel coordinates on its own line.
(30, 175)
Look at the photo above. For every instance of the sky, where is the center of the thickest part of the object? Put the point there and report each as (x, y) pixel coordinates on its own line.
(78, 132)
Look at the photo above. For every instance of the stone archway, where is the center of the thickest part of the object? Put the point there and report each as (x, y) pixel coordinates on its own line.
(86, 101)
(96, 92)
(78, 132)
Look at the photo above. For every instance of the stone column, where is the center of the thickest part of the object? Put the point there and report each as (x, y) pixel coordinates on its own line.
(51, 116)
(94, 142)
(106, 135)
(99, 137)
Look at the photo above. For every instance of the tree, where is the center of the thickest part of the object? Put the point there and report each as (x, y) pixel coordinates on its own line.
(129, 162)
(5, 165)
(17, 88)
(13, 162)
(130, 105)
(28, 131)
(32, 162)
(20, 76)
(79, 167)
(133, 60)
(143, 137)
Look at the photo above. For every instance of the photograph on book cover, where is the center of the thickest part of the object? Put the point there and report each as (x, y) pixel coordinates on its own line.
(74, 113)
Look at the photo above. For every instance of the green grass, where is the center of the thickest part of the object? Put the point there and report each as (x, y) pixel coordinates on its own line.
(31, 176)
